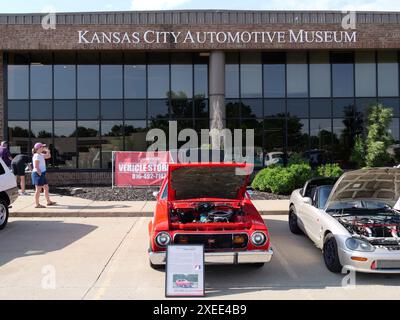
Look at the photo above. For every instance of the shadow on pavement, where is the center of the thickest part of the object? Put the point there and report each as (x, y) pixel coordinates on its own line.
(297, 264)
(26, 238)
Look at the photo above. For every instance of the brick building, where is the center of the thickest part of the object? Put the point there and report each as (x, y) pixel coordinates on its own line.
(99, 81)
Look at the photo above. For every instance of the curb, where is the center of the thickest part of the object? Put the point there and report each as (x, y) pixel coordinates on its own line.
(103, 214)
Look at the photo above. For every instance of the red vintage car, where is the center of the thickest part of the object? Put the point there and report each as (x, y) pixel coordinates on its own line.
(207, 203)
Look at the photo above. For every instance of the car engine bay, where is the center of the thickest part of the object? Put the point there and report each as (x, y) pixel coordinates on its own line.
(206, 212)
(382, 229)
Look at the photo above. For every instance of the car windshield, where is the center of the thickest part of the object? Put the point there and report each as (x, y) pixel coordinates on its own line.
(276, 156)
(323, 195)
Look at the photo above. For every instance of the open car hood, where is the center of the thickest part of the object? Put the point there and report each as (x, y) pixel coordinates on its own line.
(207, 180)
(376, 184)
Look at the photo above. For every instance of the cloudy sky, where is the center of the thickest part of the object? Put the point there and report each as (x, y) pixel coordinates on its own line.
(21, 6)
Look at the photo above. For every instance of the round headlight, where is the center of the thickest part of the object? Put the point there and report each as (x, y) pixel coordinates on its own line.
(359, 245)
(258, 238)
(163, 239)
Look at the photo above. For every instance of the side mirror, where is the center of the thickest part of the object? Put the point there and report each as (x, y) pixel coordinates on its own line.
(250, 193)
(155, 194)
(307, 200)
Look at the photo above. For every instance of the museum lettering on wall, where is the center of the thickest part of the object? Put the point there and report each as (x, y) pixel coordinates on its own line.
(221, 37)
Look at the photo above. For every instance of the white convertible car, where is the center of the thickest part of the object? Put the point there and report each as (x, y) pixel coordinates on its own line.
(354, 220)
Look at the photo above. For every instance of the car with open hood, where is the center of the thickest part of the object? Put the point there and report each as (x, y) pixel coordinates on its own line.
(354, 220)
(208, 204)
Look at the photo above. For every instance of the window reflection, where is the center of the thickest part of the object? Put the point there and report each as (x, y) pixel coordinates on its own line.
(274, 74)
(111, 109)
(135, 109)
(112, 133)
(41, 110)
(18, 110)
(89, 155)
(88, 81)
(182, 75)
(320, 74)
(365, 70)
(64, 109)
(18, 137)
(64, 82)
(250, 75)
(135, 81)
(297, 74)
(41, 82)
(388, 74)
(111, 81)
(135, 135)
(64, 153)
(232, 75)
(18, 82)
(342, 74)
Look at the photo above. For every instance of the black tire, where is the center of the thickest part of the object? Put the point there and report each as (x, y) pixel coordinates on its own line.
(331, 256)
(293, 225)
(3, 213)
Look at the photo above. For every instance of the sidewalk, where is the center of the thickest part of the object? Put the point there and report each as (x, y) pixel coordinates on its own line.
(78, 207)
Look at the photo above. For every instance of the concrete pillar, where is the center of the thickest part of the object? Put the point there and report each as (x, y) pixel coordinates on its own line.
(217, 89)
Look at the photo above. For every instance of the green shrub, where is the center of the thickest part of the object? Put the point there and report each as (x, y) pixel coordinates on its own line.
(330, 171)
(281, 180)
(296, 158)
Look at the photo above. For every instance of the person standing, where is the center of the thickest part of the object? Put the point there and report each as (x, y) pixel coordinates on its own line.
(40, 155)
(18, 165)
(5, 154)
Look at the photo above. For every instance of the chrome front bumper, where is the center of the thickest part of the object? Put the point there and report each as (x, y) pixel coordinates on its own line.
(255, 256)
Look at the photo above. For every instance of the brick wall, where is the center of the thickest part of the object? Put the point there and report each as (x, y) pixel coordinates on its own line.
(34, 37)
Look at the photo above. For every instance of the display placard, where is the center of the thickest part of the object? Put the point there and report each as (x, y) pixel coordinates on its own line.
(185, 271)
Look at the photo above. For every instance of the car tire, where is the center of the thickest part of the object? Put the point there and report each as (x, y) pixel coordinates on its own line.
(293, 225)
(331, 256)
(3, 213)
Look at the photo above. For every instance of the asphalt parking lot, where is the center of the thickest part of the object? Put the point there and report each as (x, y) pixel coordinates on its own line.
(106, 258)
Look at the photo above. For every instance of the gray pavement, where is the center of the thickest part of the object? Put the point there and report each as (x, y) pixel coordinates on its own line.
(106, 258)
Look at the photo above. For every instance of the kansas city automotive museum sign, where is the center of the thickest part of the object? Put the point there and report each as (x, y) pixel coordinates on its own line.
(216, 37)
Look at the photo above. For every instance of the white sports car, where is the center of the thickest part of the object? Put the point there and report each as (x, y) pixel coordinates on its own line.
(355, 220)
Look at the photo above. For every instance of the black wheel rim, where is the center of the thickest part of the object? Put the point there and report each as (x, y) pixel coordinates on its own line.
(330, 255)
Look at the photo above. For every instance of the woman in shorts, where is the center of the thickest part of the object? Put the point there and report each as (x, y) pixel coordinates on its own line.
(40, 154)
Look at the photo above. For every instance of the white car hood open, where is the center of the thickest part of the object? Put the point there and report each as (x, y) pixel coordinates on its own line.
(377, 184)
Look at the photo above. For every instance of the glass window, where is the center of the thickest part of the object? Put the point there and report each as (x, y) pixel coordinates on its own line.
(41, 110)
(362, 104)
(343, 108)
(181, 76)
(250, 75)
(157, 109)
(41, 82)
(64, 82)
(158, 76)
(274, 108)
(88, 81)
(321, 134)
(232, 75)
(42, 131)
(201, 108)
(64, 109)
(232, 109)
(18, 82)
(112, 140)
(111, 109)
(274, 134)
(89, 156)
(297, 108)
(135, 81)
(365, 70)
(111, 81)
(135, 135)
(64, 152)
(18, 137)
(201, 80)
(298, 136)
(135, 109)
(181, 108)
(320, 108)
(252, 108)
(388, 74)
(394, 129)
(88, 109)
(297, 74)
(18, 110)
(274, 75)
(343, 138)
(320, 74)
(342, 74)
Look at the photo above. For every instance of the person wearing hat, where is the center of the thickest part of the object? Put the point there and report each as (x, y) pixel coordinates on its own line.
(40, 155)
(5, 154)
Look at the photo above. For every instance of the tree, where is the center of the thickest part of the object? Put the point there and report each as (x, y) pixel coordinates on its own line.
(371, 150)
